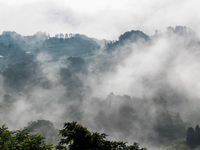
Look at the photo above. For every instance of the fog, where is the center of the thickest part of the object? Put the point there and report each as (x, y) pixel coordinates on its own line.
(99, 19)
(124, 92)
(142, 89)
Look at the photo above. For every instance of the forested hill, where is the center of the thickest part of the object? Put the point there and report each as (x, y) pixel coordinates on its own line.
(75, 46)
(58, 46)
(141, 88)
(12, 54)
(131, 37)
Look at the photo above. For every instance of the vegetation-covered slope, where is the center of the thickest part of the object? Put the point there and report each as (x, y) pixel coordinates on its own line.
(139, 88)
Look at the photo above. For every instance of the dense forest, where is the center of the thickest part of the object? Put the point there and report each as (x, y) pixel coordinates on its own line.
(139, 89)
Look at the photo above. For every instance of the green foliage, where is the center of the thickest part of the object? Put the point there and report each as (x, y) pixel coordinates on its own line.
(77, 137)
(167, 126)
(21, 140)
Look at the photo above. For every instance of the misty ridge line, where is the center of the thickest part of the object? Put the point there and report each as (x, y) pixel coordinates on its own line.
(139, 88)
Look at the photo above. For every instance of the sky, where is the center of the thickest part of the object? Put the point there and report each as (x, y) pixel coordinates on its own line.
(101, 19)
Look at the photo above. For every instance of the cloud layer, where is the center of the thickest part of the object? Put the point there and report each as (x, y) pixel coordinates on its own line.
(100, 19)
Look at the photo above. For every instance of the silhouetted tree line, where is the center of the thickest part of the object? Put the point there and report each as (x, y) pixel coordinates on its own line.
(77, 137)
(74, 137)
(193, 137)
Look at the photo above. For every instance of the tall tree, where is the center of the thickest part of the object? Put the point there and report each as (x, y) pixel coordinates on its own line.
(190, 137)
(197, 136)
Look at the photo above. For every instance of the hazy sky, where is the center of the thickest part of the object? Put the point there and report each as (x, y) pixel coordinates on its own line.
(97, 18)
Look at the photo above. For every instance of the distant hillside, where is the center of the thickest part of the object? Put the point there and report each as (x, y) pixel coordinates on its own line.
(130, 36)
(77, 45)
(57, 47)
(25, 42)
(12, 53)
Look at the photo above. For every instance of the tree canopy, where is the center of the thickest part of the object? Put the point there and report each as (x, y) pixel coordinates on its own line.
(77, 137)
(22, 140)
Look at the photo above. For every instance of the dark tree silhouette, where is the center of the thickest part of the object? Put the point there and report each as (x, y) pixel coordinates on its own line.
(190, 137)
(77, 137)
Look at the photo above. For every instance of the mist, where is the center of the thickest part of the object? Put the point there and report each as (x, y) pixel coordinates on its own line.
(138, 84)
(140, 88)
(99, 19)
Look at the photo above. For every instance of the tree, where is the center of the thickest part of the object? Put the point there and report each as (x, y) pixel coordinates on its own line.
(190, 137)
(179, 127)
(21, 140)
(197, 136)
(193, 137)
(76, 62)
(18, 76)
(46, 128)
(77, 137)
